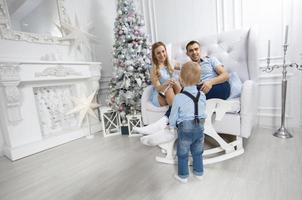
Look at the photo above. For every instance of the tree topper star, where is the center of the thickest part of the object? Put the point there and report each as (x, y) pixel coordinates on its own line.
(84, 106)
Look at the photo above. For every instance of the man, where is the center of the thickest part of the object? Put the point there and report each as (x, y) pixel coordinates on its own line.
(214, 77)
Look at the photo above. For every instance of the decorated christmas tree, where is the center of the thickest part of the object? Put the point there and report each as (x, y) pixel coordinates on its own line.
(131, 60)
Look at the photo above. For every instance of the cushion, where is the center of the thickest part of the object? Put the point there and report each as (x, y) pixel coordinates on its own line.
(235, 105)
(235, 84)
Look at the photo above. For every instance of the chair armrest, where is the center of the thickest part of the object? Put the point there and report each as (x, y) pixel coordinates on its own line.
(150, 113)
(144, 100)
(248, 103)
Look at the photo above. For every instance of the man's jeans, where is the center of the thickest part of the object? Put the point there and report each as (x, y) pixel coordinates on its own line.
(190, 137)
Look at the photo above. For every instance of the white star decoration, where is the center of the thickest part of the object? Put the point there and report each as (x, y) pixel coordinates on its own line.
(79, 38)
(84, 106)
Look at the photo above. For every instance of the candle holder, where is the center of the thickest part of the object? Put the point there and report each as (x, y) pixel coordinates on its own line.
(282, 132)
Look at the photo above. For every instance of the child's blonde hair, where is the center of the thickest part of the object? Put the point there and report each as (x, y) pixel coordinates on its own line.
(190, 73)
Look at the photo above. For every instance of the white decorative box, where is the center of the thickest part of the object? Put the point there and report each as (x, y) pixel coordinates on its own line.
(110, 121)
(134, 120)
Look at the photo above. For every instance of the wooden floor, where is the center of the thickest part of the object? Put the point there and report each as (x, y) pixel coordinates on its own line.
(120, 168)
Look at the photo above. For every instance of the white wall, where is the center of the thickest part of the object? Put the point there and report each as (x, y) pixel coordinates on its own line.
(174, 21)
(177, 20)
(103, 15)
(296, 43)
(271, 21)
(184, 20)
(1, 143)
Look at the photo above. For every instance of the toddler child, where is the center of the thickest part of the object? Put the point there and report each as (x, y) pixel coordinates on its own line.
(188, 115)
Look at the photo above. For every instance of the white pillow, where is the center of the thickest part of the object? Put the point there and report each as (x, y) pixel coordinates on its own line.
(235, 84)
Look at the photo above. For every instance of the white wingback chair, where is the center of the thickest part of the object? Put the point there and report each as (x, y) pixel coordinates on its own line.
(238, 52)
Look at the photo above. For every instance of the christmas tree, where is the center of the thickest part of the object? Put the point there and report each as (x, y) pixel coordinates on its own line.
(131, 60)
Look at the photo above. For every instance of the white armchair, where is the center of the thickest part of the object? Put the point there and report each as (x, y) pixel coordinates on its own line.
(237, 51)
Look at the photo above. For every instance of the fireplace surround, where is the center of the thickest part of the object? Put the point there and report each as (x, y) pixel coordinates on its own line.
(34, 97)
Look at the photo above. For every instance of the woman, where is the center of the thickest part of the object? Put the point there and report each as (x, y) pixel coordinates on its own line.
(165, 86)
(163, 77)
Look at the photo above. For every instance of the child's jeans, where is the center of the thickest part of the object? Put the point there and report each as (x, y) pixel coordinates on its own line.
(190, 137)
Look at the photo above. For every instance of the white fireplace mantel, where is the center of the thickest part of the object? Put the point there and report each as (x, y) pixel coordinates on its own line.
(34, 98)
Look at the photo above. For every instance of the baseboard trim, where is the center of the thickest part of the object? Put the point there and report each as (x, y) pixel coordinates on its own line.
(15, 153)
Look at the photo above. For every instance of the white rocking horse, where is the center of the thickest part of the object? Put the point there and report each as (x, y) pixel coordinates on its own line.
(215, 109)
